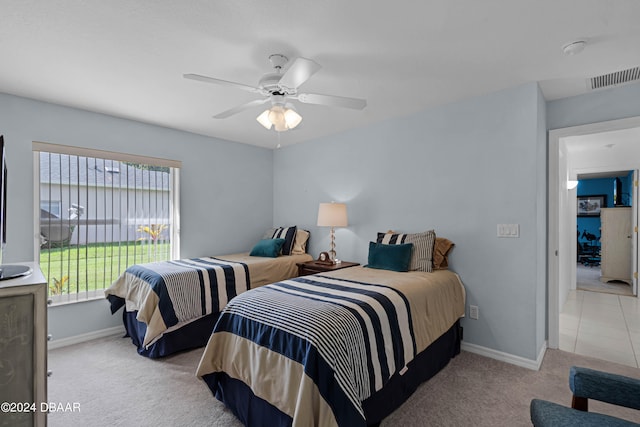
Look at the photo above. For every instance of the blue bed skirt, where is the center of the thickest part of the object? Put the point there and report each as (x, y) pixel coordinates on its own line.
(192, 335)
(256, 412)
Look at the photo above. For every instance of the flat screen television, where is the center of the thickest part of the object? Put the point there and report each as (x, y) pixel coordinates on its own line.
(7, 271)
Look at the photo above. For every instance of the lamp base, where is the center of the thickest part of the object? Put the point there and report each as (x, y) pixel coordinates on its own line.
(332, 245)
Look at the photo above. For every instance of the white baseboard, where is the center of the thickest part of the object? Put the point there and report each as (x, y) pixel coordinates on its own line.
(506, 357)
(471, 348)
(76, 339)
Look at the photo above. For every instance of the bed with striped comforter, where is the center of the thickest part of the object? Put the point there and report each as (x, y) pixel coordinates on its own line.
(171, 306)
(317, 347)
(169, 293)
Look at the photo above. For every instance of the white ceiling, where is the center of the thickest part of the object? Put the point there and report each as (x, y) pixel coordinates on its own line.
(603, 154)
(126, 58)
(611, 140)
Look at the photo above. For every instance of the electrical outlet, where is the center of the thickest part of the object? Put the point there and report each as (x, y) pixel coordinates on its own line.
(474, 312)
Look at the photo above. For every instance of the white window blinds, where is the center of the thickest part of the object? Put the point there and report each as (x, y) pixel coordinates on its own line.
(100, 212)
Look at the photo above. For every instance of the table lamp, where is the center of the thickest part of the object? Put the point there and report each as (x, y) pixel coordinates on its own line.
(332, 215)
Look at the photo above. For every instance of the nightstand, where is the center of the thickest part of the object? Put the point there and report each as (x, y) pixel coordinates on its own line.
(313, 267)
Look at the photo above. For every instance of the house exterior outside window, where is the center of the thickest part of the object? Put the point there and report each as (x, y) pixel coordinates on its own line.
(50, 208)
(100, 213)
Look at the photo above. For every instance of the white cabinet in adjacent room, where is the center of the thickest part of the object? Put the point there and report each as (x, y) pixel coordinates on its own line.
(615, 241)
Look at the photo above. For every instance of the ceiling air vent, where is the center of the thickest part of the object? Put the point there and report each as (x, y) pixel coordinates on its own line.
(615, 79)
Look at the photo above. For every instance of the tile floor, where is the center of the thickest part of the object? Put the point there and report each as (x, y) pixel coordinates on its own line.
(602, 325)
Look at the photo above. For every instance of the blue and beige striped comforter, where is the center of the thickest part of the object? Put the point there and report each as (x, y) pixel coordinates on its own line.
(170, 294)
(316, 347)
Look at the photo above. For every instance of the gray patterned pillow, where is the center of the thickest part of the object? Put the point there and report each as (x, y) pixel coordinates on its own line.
(422, 254)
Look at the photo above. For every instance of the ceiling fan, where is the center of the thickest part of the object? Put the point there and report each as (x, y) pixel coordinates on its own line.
(279, 87)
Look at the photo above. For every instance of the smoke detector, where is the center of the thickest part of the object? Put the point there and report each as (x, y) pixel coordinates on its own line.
(574, 48)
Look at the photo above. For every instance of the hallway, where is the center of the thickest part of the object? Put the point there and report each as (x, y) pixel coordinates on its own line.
(601, 325)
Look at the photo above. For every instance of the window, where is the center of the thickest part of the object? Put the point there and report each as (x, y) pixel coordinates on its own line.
(101, 212)
(49, 208)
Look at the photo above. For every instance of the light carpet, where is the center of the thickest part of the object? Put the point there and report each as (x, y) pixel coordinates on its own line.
(114, 386)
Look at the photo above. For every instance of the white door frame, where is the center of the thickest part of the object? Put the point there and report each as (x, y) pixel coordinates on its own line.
(634, 233)
(556, 260)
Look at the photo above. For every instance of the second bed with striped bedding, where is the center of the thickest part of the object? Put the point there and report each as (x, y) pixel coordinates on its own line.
(169, 293)
(317, 346)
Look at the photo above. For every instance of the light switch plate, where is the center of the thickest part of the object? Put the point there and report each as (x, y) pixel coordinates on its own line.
(508, 230)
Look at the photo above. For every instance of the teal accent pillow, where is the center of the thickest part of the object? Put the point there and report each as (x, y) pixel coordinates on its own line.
(267, 248)
(390, 257)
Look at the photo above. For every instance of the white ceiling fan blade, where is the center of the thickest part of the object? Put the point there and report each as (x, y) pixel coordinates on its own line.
(222, 82)
(299, 72)
(239, 108)
(332, 100)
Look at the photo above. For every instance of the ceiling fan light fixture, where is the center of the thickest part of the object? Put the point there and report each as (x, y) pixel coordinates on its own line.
(263, 119)
(276, 115)
(281, 118)
(292, 118)
(280, 127)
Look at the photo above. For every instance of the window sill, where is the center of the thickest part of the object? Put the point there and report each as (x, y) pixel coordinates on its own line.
(64, 299)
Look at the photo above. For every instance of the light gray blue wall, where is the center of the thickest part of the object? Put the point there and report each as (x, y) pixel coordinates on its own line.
(460, 169)
(599, 106)
(226, 187)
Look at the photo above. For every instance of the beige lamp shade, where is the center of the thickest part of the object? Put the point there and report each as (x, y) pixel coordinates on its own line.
(332, 215)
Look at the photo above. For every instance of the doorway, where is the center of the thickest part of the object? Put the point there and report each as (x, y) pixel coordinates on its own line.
(605, 204)
(562, 249)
